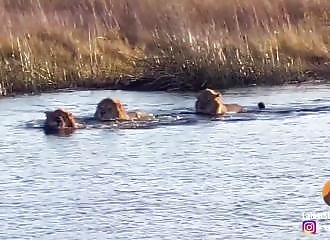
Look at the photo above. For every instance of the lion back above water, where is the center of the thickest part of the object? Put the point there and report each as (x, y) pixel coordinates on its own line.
(58, 121)
(113, 109)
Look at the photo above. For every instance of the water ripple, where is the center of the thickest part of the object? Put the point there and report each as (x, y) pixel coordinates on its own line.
(243, 176)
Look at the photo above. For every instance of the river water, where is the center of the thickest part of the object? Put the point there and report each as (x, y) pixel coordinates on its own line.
(249, 176)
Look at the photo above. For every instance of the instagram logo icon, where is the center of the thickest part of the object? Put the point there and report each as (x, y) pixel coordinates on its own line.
(309, 226)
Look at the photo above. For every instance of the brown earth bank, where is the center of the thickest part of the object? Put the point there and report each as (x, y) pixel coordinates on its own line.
(161, 45)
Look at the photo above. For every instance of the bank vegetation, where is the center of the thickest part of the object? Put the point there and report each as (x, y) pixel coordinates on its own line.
(161, 44)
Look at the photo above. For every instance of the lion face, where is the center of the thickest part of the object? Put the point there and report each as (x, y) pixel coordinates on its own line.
(110, 109)
(210, 102)
(58, 120)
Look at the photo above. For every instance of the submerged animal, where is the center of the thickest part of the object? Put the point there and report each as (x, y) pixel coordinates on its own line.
(113, 109)
(59, 121)
(261, 105)
(211, 102)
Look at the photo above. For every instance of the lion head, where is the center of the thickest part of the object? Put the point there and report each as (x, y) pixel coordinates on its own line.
(210, 102)
(59, 119)
(110, 109)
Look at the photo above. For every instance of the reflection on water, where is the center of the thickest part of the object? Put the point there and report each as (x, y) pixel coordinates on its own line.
(245, 176)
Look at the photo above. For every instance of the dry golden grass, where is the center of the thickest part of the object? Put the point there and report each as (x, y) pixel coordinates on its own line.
(161, 44)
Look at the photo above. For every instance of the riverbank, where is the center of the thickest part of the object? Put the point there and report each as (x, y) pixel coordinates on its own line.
(184, 45)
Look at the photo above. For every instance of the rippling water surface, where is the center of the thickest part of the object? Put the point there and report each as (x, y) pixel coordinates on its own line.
(249, 176)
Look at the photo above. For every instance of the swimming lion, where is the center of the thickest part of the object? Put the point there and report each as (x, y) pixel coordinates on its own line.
(113, 109)
(58, 121)
(211, 102)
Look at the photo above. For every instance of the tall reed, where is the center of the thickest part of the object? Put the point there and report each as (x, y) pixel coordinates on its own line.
(163, 44)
